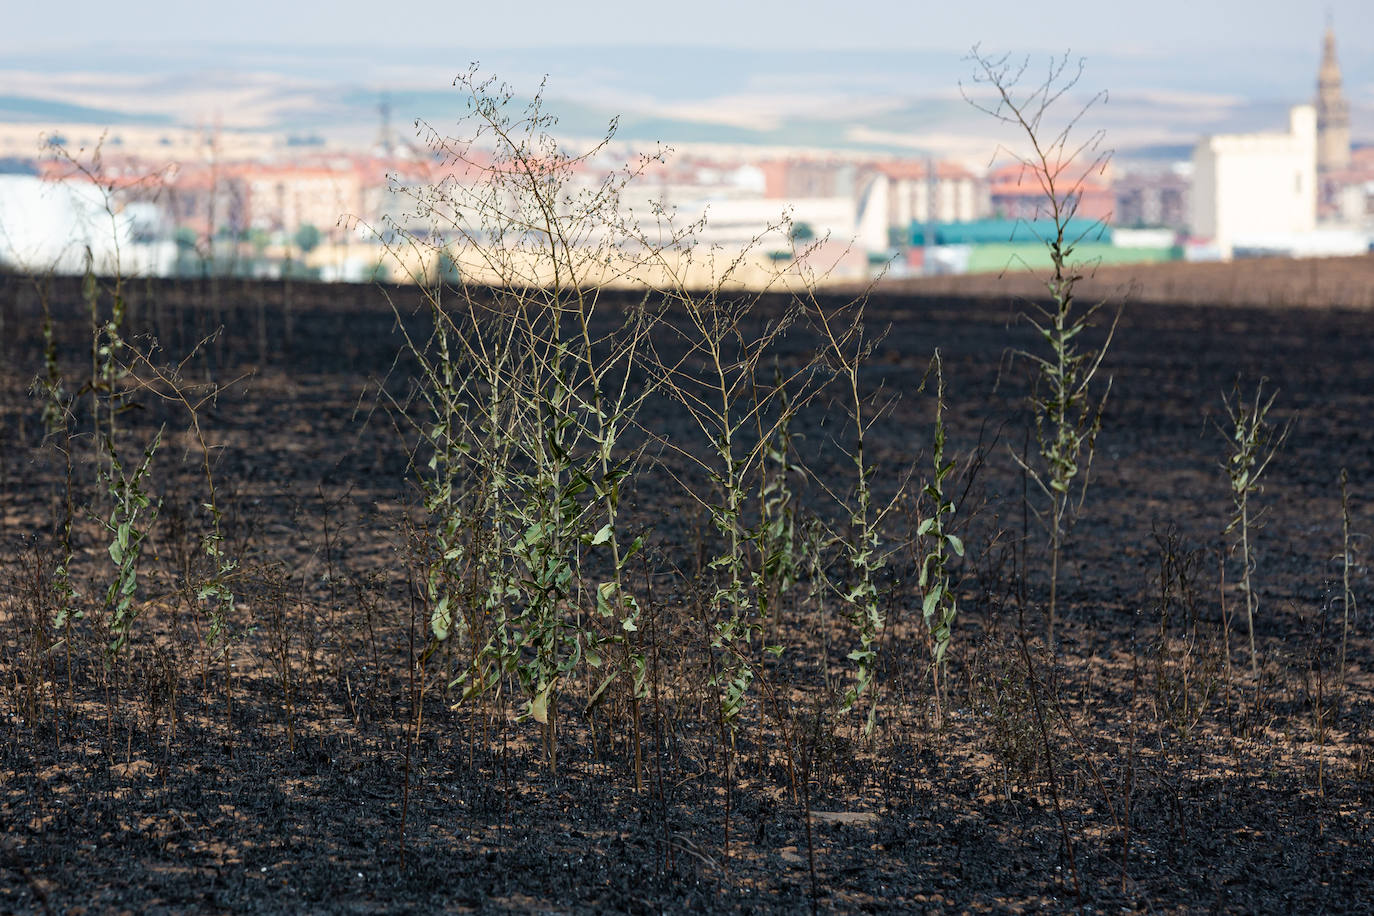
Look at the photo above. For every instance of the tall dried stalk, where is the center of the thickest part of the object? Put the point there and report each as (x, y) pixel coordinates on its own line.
(1254, 441)
(1067, 410)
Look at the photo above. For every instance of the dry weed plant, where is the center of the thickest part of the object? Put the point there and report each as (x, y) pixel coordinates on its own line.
(1066, 409)
(1254, 442)
(1350, 567)
(121, 372)
(528, 402)
(939, 605)
(847, 347)
(533, 385)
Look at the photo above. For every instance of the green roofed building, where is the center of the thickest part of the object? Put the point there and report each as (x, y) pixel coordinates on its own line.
(1015, 255)
(1004, 231)
(994, 245)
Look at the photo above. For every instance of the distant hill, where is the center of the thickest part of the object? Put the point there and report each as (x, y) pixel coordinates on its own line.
(23, 109)
(1159, 102)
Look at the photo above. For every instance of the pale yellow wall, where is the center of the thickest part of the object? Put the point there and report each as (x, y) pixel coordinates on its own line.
(1257, 184)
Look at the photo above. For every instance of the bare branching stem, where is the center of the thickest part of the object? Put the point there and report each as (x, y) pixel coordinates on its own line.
(1066, 408)
(1254, 441)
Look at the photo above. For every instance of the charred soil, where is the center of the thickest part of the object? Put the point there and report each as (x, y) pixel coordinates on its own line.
(312, 757)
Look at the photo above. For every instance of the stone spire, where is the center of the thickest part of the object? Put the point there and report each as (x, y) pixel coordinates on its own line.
(1333, 113)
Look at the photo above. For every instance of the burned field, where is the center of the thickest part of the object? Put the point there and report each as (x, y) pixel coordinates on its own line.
(256, 712)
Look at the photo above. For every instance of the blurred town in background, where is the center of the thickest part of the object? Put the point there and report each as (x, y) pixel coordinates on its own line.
(186, 200)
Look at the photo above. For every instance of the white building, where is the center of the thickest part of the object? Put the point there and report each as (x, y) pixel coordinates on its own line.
(1256, 186)
(54, 225)
(893, 195)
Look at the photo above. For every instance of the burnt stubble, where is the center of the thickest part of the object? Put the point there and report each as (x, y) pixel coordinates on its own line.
(310, 763)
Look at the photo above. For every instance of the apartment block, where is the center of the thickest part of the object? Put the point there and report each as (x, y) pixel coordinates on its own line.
(1252, 186)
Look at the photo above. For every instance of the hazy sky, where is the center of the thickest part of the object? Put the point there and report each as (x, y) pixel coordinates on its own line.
(1100, 27)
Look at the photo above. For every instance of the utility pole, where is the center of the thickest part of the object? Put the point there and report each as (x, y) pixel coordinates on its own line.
(928, 265)
(384, 131)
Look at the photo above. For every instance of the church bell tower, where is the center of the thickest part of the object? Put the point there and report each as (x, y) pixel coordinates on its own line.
(1333, 112)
